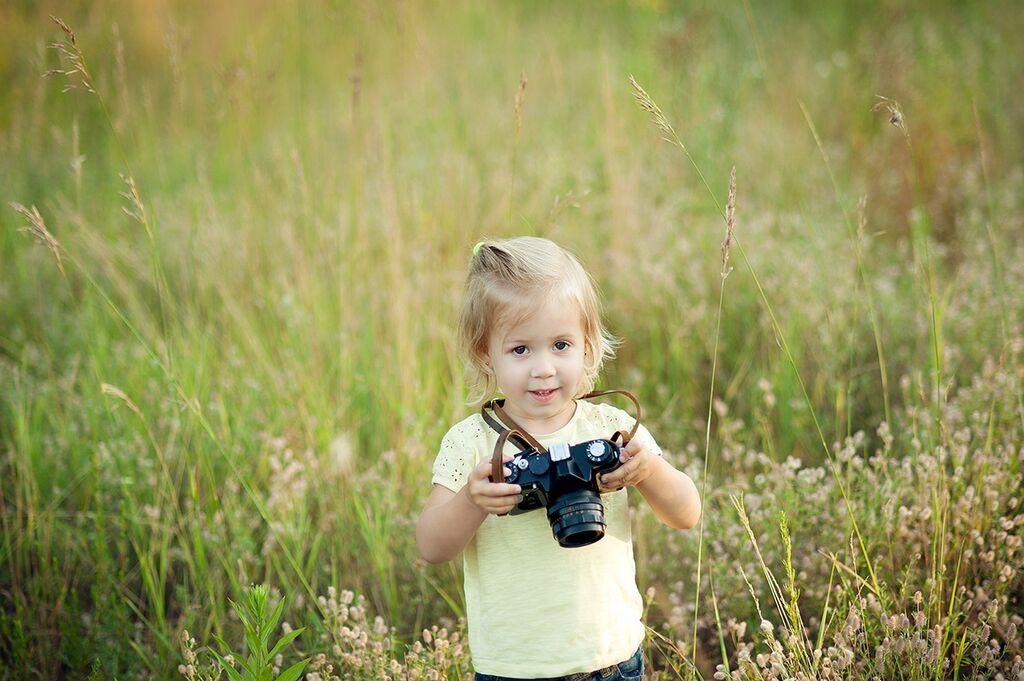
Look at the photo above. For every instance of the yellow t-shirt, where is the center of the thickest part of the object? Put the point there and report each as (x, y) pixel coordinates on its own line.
(535, 609)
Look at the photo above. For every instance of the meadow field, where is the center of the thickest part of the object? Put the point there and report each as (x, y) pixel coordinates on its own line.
(233, 237)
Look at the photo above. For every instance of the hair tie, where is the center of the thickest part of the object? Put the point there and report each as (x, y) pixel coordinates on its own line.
(477, 246)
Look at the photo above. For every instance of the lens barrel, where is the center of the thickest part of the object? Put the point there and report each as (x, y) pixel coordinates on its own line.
(577, 518)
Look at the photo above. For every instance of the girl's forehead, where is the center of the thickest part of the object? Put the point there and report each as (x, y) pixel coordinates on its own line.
(552, 317)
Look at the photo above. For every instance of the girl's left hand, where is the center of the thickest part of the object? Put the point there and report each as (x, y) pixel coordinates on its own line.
(638, 464)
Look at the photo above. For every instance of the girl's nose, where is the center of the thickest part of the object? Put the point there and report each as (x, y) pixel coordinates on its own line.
(543, 368)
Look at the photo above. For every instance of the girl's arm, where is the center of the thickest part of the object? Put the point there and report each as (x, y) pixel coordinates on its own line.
(450, 519)
(671, 494)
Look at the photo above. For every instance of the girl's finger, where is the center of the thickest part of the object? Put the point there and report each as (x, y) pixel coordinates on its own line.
(625, 470)
(504, 509)
(497, 490)
(484, 467)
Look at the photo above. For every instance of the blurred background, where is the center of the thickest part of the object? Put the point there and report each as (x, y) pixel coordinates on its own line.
(241, 366)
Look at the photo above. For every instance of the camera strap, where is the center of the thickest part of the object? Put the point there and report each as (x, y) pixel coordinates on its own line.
(508, 429)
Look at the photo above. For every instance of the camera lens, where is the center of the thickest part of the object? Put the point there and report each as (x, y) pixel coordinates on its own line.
(577, 518)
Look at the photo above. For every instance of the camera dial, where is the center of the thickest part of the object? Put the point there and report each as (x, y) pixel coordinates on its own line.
(514, 468)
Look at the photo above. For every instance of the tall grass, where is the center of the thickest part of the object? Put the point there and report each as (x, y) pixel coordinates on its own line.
(231, 357)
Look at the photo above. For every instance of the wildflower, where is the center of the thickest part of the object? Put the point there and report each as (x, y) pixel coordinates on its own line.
(341, 450)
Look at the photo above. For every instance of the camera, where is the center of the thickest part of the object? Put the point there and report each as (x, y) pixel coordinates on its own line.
(564, 480)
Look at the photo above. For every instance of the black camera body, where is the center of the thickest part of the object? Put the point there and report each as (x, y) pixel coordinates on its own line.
(564, 480)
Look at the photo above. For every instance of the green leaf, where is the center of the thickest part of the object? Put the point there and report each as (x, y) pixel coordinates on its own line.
(240, 611)
(271, 624)
(257, 650)
(292, 673)
(236, 656)
(232, 673)
(285, 640)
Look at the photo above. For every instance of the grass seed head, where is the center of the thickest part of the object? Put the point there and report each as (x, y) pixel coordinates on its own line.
(37, 228)
(896, 118)
(648, 105)
(77, 75)
(730, 223)
(114, 391)
(520, 100)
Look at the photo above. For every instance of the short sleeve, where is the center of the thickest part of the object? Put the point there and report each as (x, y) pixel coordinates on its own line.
(622, 420)
(645, 438)
(452, 465)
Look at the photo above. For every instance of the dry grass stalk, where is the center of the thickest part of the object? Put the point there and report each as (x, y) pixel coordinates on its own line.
(37, 228)
(896, 119)
(520, 100)
(356, 79)
(670, 136)
(114, 391)
(789, 615)
(773, 584)
(730, 223)
(517, 108)
(137, 211)
(648, 105)
(862, 219)
(78, 75)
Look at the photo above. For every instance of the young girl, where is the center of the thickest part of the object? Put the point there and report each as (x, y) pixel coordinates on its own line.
(531, 328)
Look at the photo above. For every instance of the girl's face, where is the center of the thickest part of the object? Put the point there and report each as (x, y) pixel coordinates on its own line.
(538, 364)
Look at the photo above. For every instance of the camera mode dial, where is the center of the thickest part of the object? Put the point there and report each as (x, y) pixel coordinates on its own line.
(515, 466)
(597, 450)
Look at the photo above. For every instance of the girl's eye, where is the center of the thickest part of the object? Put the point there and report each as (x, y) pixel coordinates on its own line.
(516, 349)
(564, 344)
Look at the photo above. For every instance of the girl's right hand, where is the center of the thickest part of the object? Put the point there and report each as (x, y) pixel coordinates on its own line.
(492, 497)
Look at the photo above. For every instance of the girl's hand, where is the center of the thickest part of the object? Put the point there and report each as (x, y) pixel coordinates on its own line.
(638, 464)
(492, 497)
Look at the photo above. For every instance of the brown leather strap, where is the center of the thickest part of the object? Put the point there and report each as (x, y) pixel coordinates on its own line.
(497, 466)
(626, 437)
(508, 429)
(503, 415)
(506, 423)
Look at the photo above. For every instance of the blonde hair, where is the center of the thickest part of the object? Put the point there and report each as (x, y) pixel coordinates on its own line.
(506, 278)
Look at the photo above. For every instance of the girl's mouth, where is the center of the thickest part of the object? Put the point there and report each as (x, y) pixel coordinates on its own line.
(543, 395)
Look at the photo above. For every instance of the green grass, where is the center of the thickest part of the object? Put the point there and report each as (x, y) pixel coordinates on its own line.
(246, 380)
